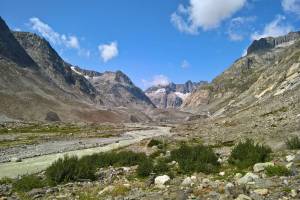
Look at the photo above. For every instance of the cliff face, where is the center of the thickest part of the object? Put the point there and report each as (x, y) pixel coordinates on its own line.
(171, 95)
(267, 74)
(270, 42)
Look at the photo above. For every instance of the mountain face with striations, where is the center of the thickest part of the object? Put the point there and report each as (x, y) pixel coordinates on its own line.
(171, 95)
(259, 89)
(35, 81)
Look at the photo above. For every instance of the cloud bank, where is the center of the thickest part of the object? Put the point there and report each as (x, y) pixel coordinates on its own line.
(108, 51)
(204, 14)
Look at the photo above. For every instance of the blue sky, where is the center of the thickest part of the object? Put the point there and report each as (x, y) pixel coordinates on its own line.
(153, 41)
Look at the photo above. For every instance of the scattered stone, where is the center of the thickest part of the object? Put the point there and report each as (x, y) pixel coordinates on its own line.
(262, 192)
(222, 173)
(229, 187)
(289, 165)
(293, 193)
(36, 192)
(161, 180)
(290, 158)
(107, 189)
(243, 197)
(238, 176)
(249, 177)
(187, 181)
(258, 167)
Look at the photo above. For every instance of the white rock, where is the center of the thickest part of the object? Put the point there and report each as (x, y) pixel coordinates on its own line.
(161, 180)
(258, 167)
(262, 192)
(107, 189)
(293, 193)
(249, 177)
(205, 180)
(193, 178)
(238, 176)
(187, 182)
(229, 188)
(290, 158)
(222, 173)
(289, 165)
(243, 197)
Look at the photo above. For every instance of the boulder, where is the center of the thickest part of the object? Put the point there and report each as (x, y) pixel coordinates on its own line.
(290, 158)
(249, 177)
(161, 180)
(15, 159)
(243, 197)
(258, 167)
(262, 192)
(52, 117)
(187, 181)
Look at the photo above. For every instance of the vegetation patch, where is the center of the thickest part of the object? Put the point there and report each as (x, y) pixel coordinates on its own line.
(293, 143)
(246, 154)
(145, 168)
(197, 158)
(277, 170)
(27, 183)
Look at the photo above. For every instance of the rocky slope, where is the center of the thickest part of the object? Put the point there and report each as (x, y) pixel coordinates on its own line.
(35, 80)
(171, 95)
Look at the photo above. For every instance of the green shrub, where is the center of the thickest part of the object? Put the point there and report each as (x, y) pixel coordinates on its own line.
(154, 142)
(246, 154)
(27, 183)
(277, 170)
(161, 167)
(145, 168)
(293, 143)
(5, 180)
(197, 158)
(70, 169)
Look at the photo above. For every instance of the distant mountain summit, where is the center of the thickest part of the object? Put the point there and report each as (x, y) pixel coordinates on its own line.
(36, 81)
(171, 95)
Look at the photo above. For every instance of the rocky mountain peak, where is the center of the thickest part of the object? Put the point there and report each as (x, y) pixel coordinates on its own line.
(10, 49)
(271, 42)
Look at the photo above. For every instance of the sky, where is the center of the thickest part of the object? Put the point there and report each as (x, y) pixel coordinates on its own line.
(153, 41)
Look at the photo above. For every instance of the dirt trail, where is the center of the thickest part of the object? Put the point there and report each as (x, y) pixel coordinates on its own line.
(37, 164)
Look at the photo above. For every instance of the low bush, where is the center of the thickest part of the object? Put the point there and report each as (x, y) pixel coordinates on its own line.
(293, 143)
(145, 168)
(70, 169)
(27, 183)
(197, 158)
(246, 154)
(161, 167)
(277, 170)
(154, 142)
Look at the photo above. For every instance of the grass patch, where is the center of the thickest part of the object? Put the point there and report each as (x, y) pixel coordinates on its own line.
(6, 180)
(293, 143)
(246, 154)
(277, 170)
(27, 183)
(154, 142)
(145, 168)
(197, 158)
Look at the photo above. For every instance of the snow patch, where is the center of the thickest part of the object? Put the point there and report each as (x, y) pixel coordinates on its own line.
(182, 95)
(161, 90)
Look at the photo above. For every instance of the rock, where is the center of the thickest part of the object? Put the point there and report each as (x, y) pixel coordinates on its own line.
(249, 177)
(293, 193)
(222, 173)
(52, 117)
(229, 187)
(238, 176)
(290, 158)
(36, 191)
(187, 182)
(107, 189)
(243, 197)
(258, 167)
(289, 165)
(161, 180)
(15, 159)
(262, 192)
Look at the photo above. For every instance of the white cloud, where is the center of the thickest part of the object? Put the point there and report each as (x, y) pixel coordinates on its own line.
(205, 14)
(275, 28)
(239, 27)
(291, 6)
(156, 80)
(108, 51)
(185, 64)
(67, 41)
